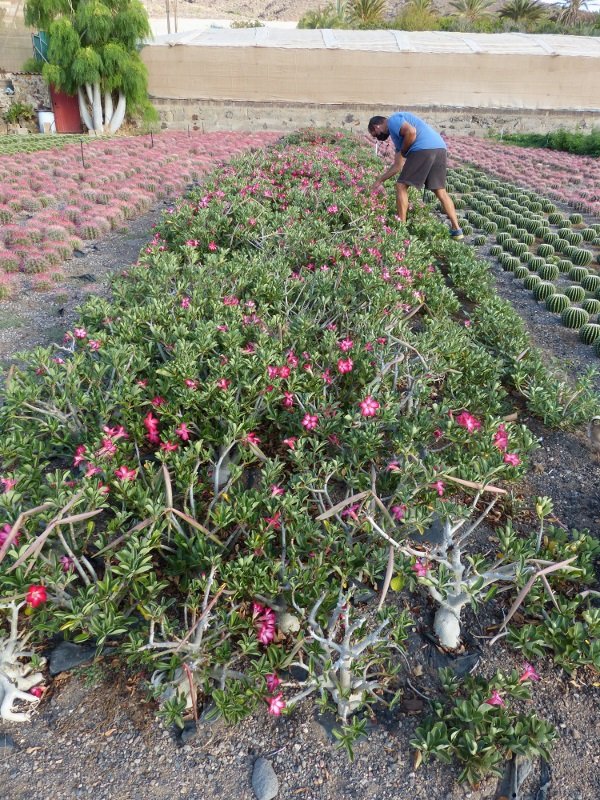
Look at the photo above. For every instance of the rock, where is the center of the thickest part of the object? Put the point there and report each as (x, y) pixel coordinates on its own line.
(87, 277)
(7, 744)
(189, 732)
(288, 623)
(298, 673)
(67, 655)
(264, 780)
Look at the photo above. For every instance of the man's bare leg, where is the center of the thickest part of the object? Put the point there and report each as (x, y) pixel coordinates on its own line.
(402, 200)
(448, 206)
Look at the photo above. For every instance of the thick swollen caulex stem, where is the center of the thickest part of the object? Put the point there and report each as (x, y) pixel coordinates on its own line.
(119, 115)
(16, 677)
(446, 625)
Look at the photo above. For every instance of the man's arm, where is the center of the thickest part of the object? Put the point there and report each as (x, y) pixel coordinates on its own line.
(389, 173)
(409, 137)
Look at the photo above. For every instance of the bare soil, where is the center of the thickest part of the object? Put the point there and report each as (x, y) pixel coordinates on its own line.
(96, 735)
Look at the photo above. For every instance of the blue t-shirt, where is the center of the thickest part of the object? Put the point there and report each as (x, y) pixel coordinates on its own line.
(427, 138)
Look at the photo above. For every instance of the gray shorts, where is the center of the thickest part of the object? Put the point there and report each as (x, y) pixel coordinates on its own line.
(425, 167)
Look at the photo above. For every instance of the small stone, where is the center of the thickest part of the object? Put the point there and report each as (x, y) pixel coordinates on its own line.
(288, 623)
(7, 744)
(264, 780)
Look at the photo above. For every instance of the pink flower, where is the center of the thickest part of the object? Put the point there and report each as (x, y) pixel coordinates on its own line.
(94, 344)
(108, 448)
(326, 376)
(192, 243)
(251, 438)
(257, 609)
(4, 531)
(92, 470)
(8, 484)
(79, 333)
(369, 406)
(223, 328)
(350, 511)
(421, 567)
(468, 421)
(310, 421)
(151, 425)
(291, 442)
(36, 595)
(439, 487)
(345, 345)
(495, 699)
(169, 447)
(272, 681)
(185, 302)
(117, 432)
(183, 432)
(438, 433)
(332, 209)
(288, 400)
(274, 521)
(284, 371)
(67, 563)
(276, 491)
(37, 691)
(143, 383)
(501, 438)
(512, 459)
(344, 365)
(266, 634)
(230, 300)
(124, 474)
(276, 704)
(528, 674)
(398, 512)
(158, 401)
(212, 246)
(191, 384)
(223, 384)
(79, 455)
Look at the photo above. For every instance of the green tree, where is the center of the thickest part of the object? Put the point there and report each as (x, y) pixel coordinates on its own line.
(93, 51)
(417, 15)
(472, 11)
(365, 13)
(329, 17)
(523, 12)
(572, 12)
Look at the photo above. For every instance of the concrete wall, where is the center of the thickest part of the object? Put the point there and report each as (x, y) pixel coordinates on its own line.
(15, 38)
(210, 115)
(29, 90)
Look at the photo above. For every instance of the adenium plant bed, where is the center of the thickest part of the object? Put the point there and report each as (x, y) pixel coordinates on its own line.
(293, 399)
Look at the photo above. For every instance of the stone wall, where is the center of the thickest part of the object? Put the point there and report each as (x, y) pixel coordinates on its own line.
(207, 115)
(29, 90)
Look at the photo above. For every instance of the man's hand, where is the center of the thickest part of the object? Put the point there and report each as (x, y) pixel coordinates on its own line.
(376, 186)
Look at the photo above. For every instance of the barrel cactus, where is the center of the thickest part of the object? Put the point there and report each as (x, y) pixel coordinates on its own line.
(555, 218)
(543, 290)
(557, 303)
(575, 293)
(581, 257)
(577, 274)
(531, 281)
(548, 272)
(545, 250)
(521, 273)
(591, 283)
(589, 333)
(588, 234)
(576, 219)
(591, 305)
(574, 317)
(496, 250)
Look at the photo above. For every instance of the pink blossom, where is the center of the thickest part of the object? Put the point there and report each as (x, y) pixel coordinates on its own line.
(274, 521)
(292, 359)
(288, 400)
(310, 421)
(528, 674)
(273, 681)
(223, 384)
(80, 333)
(345, 345)
(501, 438)
(495, 699)
(266, 634)
(276, 704)
(116, 432)
(158, 401)
(183, 432)
(4, 532)
(345, 365)
(94, 344)
(91, 471)
(223, 328)
(257, 609)
(251, 438)
(276, 491)
(36, 596)
(80, 455)
(512, 459)
(169, 447)
(67, 563)
(332, 209)
(212, 246)
(439, 487)
(291, 442)
(185, 302)
(350, 511)
(192, 242)
(230, 300)
(438, 433)
(8, 484)
(191, 384)
(143, 383)
(37, 691)
(272, 372)
(369, 406)
(124, 474)
(398, 512)
(108, 448)
(468, 421)
(326, 376)
(421, 567)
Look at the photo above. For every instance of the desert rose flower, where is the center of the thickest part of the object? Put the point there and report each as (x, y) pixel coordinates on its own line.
(398, 512)
(528, 674)
(310, 421)
(369, 406)
(345, 365)
(80, 333)
(124, 474)
(439, 486)
(272, 681)
(276, 704)
(495, 699)
(36, 596)
(421, 568)
(183, 432)
(512, 459)
(468, 421)
(4, 531)
(67, 563)
(501, 438)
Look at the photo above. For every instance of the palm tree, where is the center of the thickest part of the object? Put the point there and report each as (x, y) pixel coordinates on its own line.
(526, 12)
(365, 13)
(472, 11)
(571, 11)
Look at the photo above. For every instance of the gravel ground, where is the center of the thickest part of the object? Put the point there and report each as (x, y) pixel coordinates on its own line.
(96, 735)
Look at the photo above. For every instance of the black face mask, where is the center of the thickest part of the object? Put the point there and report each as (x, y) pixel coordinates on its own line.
(382, 136)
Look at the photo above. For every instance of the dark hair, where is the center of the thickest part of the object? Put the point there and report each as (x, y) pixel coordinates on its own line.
(375, 121)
